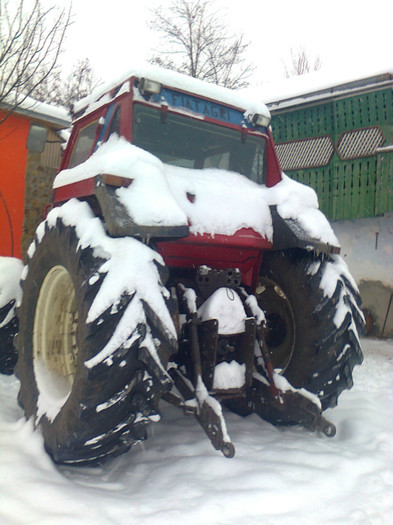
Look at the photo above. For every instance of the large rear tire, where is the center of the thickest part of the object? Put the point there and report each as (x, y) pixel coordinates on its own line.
(10, 294)
(88, 407)
(313, 316)
(8, 354)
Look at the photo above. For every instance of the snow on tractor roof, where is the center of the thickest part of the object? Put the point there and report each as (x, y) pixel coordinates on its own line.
(172, 79)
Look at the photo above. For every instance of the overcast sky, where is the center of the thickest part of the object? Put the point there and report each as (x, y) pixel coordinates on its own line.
(346, 34)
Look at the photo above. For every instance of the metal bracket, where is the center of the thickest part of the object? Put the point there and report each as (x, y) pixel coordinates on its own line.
(206, 410)
(288, 408)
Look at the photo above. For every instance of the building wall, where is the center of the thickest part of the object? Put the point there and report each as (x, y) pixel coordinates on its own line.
(340, 147)
(41, 170)
(26, 179)
(367, 247)
(13, 137)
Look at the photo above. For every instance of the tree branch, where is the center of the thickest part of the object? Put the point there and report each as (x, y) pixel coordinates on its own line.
(30, 44)
(196, 41)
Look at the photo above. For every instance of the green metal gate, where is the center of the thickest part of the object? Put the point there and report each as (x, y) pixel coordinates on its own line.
(341, 145)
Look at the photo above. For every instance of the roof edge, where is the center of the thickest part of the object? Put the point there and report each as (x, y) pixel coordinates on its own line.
(39, 111)
(304, 96)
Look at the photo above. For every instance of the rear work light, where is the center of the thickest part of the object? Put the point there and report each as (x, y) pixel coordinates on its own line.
(261, 120)
(149, 87)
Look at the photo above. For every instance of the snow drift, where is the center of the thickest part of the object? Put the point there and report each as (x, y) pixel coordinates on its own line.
(175, 477)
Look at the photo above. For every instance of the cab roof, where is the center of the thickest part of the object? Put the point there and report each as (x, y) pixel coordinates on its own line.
(172, 79)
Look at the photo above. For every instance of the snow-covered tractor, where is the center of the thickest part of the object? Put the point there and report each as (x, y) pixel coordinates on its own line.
(177, 262)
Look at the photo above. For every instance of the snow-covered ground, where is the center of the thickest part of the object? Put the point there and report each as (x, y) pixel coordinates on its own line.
(176, 477)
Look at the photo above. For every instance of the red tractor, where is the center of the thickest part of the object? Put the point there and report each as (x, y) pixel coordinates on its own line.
(177, 262)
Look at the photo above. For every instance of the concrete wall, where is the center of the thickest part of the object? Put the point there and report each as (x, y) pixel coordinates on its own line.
(367, 247)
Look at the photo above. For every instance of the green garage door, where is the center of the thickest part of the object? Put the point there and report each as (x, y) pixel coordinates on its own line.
(342, 148)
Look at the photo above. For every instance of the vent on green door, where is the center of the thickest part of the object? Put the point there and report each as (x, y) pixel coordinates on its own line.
(359, 143)
(306, 153)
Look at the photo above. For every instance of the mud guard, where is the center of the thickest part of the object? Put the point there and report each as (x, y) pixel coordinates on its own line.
(118, 221)
(288, 233)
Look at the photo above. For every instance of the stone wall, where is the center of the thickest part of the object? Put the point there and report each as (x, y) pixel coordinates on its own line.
(41, 169)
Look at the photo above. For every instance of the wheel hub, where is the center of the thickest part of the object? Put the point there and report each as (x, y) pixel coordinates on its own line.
(280, 336)
(54, 335)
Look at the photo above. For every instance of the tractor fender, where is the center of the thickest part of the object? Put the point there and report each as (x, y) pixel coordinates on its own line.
(288, 233)
(118, 221)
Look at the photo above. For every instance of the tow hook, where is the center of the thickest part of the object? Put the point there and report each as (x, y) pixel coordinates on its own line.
(326, 427)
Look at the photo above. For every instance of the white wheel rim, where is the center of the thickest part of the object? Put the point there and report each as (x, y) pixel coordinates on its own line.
(54, 338)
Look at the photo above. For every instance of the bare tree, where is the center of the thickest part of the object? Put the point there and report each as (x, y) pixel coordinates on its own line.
(49, 90)
(301, 63)
(31, 38)
(79, 84)
(60, 91)
(196, 42)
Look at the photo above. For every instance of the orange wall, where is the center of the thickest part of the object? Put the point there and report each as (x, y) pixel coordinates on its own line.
(13, 154)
